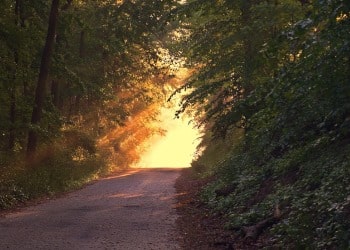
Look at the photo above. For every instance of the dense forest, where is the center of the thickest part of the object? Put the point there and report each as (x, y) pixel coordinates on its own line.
(272, 84)
(73, 74)
(270, 87)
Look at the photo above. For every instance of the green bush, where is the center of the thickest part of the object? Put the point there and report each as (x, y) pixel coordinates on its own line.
(59, 167)
(310, 184)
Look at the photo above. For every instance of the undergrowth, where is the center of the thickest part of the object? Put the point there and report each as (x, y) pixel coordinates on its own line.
(63, 165)
(309, 184)
(74, 158)
(213, 151)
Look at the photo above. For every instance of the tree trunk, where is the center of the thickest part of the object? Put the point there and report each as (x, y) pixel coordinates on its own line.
(43, 74)
(12, 113)
(82, 44)
(248, 48)
(253, 232)
(55, 93)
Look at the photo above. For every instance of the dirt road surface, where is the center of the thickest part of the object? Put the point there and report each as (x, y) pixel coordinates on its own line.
(134, 210)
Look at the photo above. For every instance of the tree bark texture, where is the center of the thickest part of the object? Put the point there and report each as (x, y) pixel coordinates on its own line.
(43, 75)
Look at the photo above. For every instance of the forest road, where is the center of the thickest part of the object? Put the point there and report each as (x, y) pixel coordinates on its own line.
(134, 210)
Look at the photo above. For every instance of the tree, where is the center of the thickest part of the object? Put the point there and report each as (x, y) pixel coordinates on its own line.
(295, 114)
(100, 50)
(42, 80)
(226, 44)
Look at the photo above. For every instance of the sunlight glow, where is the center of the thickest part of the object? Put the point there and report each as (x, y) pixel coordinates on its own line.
(177, 147)
(120, 175)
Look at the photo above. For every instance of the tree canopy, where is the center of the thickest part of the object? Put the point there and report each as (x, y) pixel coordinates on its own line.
(80, 81)
(279, 71)
(270, 83)
(99, 49)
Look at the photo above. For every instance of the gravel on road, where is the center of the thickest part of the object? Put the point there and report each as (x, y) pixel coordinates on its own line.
(134, 210)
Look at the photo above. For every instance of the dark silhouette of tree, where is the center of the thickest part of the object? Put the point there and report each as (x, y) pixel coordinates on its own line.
(42, 80)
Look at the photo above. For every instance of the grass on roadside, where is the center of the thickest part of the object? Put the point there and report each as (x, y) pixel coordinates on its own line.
(59, 167)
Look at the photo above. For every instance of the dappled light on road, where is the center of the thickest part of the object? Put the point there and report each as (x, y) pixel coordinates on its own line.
(120, 175)
(134, 210)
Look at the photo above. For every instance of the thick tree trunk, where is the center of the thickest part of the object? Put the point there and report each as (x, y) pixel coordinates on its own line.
(43, 74)
(19, 13)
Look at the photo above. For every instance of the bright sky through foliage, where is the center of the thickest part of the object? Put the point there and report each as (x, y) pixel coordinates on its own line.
(177, 147)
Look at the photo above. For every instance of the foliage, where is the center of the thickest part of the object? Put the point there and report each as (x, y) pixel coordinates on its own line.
(291, 95)
(102, 48)
(68, 163)
(107, 67)
(209, 156)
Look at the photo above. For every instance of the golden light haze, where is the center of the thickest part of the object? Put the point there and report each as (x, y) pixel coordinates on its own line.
(177, 147)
